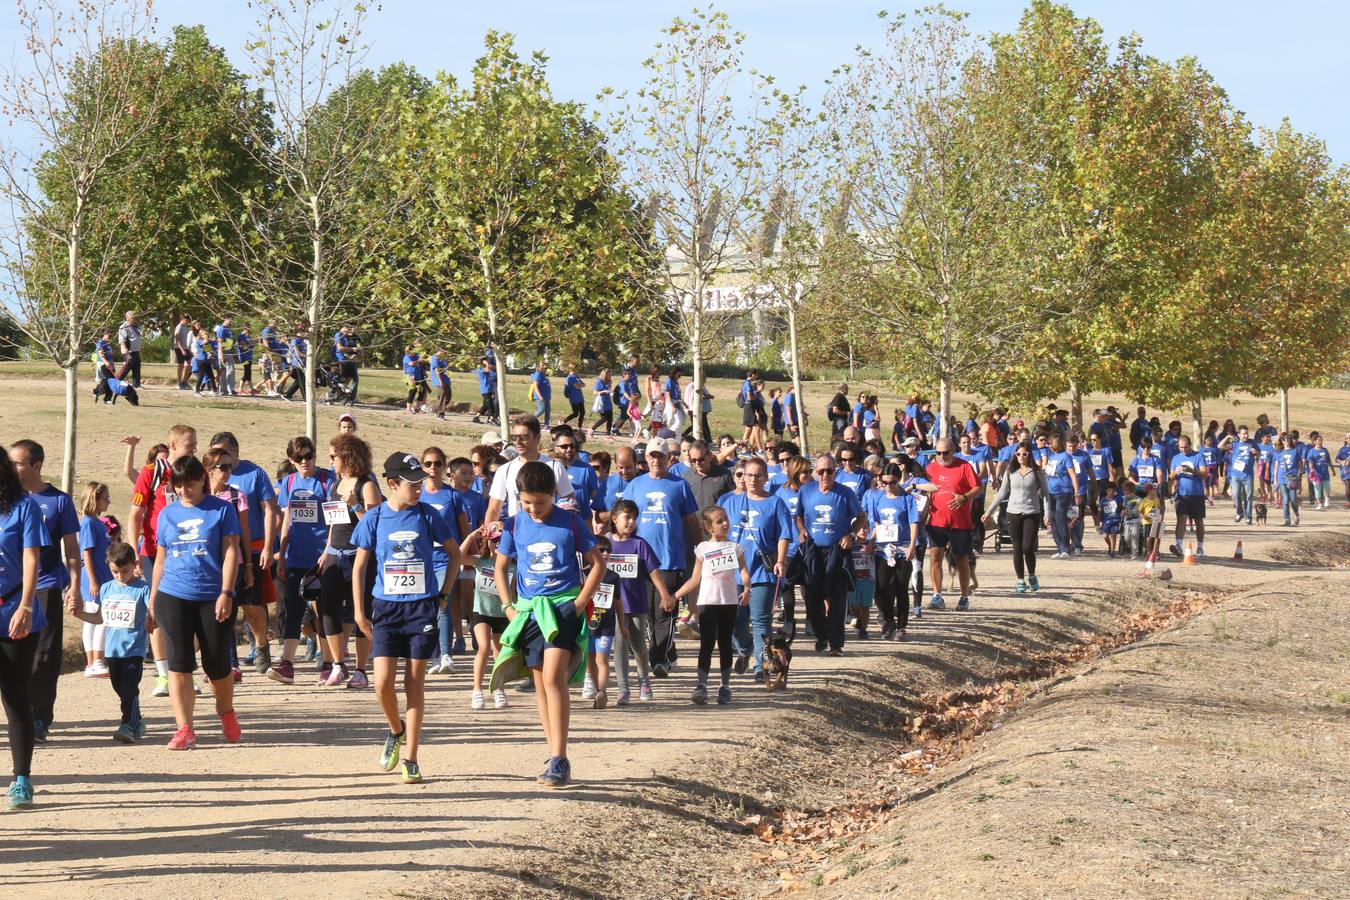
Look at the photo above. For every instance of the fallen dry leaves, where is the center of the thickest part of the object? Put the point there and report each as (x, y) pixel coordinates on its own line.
(942, 730)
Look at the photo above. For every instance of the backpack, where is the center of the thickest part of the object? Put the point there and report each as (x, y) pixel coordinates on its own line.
(740, 399)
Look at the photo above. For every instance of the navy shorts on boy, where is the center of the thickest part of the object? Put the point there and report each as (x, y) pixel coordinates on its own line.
(191, 537)
(405, 590)
(534, 643)
(546, 567)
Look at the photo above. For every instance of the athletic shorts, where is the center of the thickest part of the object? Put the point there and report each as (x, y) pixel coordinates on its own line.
(465, 575)
(532, 639)
(1191, 507)
(187, 623)
(405, 629)
(496, 623)
(863, 593)
(958, 539)
(602, 643)
(181, 356)
(264, 588)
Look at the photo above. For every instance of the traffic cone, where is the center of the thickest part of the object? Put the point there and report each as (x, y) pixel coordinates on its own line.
(1148, 564)
(1237, 551)
(1189, 559)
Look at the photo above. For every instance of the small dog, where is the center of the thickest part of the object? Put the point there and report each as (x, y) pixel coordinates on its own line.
(1260, 514)
(777, 660)
(109, 389)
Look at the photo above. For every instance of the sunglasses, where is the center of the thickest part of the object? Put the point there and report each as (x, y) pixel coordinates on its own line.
(847, 458)
(890, 482)
(223, 467)
(824, 471)
(945, 453)
(428, 463)
(520, 438)
(303, 458)
(564, 446)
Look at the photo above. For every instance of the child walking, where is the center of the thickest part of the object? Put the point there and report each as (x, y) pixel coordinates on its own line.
(547, 606)
(604, 622)
(396, 537)
(716, 563)
(122, 607)
(488, 618)
(633, 561)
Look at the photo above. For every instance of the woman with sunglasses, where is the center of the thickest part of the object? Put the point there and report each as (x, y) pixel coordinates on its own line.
(219, 464)
(894, 537)
(352, 491)
(1028, 497)
(303, 538)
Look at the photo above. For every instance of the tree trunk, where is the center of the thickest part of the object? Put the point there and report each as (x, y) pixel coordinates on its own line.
(1197, 422)
(1075, 405)
(316, 300)
(696, 334)
(945, 404)
(74, 297)
(498, 360)
(796, 373)
(1284, 410)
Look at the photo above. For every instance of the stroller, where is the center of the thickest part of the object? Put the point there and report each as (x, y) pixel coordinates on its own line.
(1002, 537)
(339, 392)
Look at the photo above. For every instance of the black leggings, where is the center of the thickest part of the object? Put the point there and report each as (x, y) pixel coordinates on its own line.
(578, 413)
(417, 392)
(16, 678)
(1024, 530)
(188, 621)
(47, 660)
(605, 419)
(715, 623)
(893, 591)
(335, 598)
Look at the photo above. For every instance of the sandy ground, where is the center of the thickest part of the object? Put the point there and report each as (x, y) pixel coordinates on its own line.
(301, 809)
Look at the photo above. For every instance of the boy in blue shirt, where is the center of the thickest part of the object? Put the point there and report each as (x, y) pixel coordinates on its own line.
(399, 538)
(548, 606)
(124, 611)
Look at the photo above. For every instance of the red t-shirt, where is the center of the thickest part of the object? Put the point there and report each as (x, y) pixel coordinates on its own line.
(154, 499)
(951, 480)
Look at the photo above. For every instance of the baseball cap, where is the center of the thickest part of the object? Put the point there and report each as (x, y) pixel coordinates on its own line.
(347, 417)
(910, 441)
(491, 437)
(661, 445)
(404, 466)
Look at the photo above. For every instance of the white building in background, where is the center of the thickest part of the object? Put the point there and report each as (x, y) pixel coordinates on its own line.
(752, 312)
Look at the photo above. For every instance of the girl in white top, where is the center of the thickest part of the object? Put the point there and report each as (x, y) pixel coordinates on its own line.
(717, 562)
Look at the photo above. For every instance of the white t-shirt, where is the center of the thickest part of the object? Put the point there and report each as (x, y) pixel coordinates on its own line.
(504, 483)
(717, 584)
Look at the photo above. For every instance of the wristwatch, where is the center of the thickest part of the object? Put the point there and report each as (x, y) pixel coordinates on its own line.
(228, 593)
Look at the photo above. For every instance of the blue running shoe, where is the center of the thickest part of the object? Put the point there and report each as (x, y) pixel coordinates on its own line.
(21, 793)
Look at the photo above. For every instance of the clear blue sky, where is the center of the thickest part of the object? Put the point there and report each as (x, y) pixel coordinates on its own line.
(1275, 59)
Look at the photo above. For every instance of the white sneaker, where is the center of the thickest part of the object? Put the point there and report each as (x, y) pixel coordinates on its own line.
(588, 690)
(447, 666)
(101, 669)
(499, 699)
(89, 671)
(476, 700)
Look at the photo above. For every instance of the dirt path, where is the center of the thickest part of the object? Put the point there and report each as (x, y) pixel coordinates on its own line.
(300, 810)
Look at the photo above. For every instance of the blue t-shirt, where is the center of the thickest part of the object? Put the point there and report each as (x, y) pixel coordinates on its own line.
(1210, 456)
(603, 395)
(20, 527)
(1288, 464)
(244, 348)
(757, 526)
(1189, 484)
(573, 389)
(225, 335)
(440, 369)
(614, 490)
(94, 538)
(298, 349)
(1318, 460)
(124, 608)
(662, 506)
(1266, 452)
(1057, 468)
(889, 519)
(1146, 469)
(791, 502)
(542, 386)
(546, 552)
(827, 516)
(1099, 462)
(859, 482)
(1242, 461)
(977, 457)
(585, 491)
(446, 504)
(191, 537)
(59, 519)
(1082, 467)
(1342, 455)
(343, 345)
(302, 500)
(272, 341)
(253, 483)
(485, 380)
(474, 506)
(402, 546)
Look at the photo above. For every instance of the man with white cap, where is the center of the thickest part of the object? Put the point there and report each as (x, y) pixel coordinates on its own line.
(504, 493)
(668, 522)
